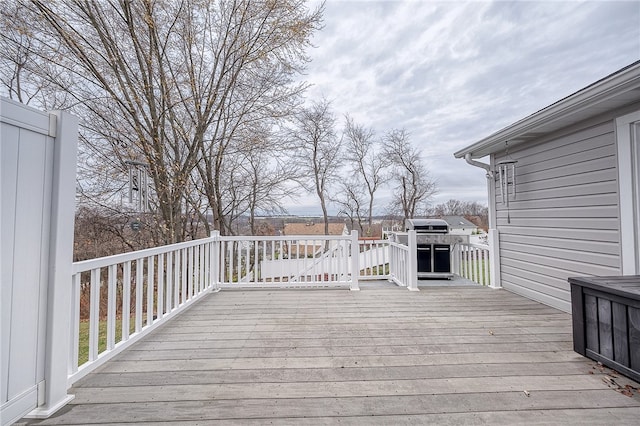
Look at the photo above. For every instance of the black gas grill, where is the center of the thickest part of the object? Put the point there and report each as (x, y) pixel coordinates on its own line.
(434, 247)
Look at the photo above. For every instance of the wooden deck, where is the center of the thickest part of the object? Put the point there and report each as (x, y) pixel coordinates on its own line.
(384, 355)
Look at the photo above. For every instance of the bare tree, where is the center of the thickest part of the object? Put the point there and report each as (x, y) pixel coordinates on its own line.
(368, 167)
(256, 177)
(471, 210)
(460, 208)
(318, 151)
(474, 208)
(24, 76)
(349, 199)
(128, 61)
(450, 208)
(269, 176)
(260, 47)
(413, 186)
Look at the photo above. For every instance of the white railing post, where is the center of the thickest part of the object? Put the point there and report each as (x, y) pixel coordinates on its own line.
(494, 259)
(355, 261)
(412, 273)
(126, 300)
(215, 261)
(455, 259)
(72, 366)
(59, 291)
(485, 261)
(160, 293)
(94, 311)
(112, 271)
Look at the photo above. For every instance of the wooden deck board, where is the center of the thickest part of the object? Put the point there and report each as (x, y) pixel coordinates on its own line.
(338, 407)
(340, 389)
(297, 375)
(618, 416)
(445, 355)
(196, 342)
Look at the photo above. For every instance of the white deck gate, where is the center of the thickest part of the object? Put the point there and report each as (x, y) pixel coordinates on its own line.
(38, 167)
(287, 261)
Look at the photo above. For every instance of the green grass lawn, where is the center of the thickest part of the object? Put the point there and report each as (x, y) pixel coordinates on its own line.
(471, 267)
(83, 345)
(376, 270)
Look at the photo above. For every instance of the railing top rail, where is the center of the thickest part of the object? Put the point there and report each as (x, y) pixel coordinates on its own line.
(373, 241)
(475, 245)
(101, 262)
(399, 245)
(283, 237)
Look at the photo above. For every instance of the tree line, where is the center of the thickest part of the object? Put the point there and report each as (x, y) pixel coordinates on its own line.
(208, 98)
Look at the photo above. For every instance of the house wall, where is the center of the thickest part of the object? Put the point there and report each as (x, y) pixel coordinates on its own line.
(564, 220)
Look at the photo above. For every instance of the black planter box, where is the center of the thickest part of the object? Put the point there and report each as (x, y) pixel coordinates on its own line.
(606, 321)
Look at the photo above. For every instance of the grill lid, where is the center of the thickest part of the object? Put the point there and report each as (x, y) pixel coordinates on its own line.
(427, 225)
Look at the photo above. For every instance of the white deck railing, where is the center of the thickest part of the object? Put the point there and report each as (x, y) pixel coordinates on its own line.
(286, 261)
(471, 261)
(374, 259)
(403, 265)
(118, 299)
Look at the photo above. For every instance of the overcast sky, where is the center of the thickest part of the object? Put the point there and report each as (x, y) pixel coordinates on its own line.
(452, 73)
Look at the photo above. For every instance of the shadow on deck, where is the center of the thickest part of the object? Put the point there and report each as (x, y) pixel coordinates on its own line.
(383, 355)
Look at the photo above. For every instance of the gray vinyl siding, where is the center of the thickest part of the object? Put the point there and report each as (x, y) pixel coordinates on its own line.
(565, 219)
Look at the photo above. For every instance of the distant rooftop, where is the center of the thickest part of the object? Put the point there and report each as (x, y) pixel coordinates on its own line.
(458, 222)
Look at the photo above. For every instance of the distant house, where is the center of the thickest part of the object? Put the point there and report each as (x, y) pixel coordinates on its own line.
(458, 225)
(572, 207)
(369, 232)
(311, 229)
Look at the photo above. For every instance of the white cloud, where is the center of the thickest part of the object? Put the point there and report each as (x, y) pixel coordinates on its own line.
(451, 73)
